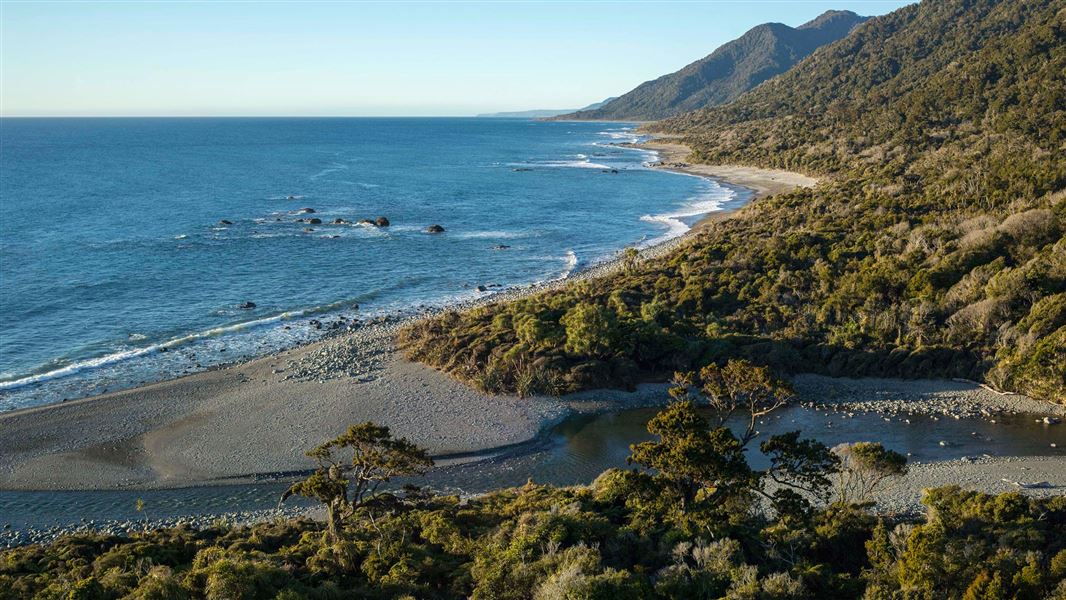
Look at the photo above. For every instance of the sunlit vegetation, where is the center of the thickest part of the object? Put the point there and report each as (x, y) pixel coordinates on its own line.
(934, 245)
(691, 520)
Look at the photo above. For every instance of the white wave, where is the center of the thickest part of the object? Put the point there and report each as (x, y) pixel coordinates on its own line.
(330, 169)
(263, 236)
(181, 237)
(124, 355)
(708, 202)
(571, 263)
(561, 164)
(476, 235)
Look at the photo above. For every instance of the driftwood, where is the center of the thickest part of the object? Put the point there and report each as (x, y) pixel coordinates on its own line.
(986, 386)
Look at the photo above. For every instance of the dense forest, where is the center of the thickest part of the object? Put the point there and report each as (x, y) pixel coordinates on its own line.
(735, 67)
(932, 247)
(693, 520)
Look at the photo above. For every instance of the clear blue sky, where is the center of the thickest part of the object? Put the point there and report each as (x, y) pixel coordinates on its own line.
(357, 58)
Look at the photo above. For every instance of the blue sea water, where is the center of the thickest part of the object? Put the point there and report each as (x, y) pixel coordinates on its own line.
(113, 246)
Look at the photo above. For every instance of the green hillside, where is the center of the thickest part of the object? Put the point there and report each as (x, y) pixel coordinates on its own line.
(934, 246)
(734, 68)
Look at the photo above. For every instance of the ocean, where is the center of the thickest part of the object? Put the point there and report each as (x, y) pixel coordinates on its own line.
(133, 250)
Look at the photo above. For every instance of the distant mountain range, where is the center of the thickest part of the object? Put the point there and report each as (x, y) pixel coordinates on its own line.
(734, 68)
(543, 113)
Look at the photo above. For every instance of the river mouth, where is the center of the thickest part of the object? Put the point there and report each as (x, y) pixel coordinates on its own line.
(572, 452)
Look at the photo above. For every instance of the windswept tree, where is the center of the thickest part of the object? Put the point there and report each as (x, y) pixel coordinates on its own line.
(630, 259)
(865, 468)
(741, 386)
(705, 466)
(342, 484)
(696, 462)
(801, 469)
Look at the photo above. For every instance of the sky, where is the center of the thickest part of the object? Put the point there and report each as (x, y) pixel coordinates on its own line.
(330, 58)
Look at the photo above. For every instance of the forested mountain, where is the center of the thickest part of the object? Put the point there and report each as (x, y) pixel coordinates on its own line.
(734, 68)
(933, 247)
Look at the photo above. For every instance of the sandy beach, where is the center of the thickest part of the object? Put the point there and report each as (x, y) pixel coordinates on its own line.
(256, 419)
(673, 156)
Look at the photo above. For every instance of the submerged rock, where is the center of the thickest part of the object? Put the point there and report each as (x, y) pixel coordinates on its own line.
(500, 247)
(247, 305)
(315, 221)
(434, 229)
(339, 221)
(306, 211)
(225, 222)
(382, 222)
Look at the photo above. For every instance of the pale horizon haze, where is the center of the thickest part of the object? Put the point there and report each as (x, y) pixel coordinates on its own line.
(357, 58)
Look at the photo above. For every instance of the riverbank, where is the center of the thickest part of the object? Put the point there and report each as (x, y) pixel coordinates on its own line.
(579, 449)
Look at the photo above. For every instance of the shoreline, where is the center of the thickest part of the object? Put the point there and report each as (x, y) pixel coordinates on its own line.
(233, 422)
(658, 246)
(254, 419)
(250, 422)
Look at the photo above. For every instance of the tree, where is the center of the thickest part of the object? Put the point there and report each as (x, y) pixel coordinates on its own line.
(800, 464)
(691, 458)
(865, 467)
(630, 258)
(740, 385)
(590, 329)
(345, 485)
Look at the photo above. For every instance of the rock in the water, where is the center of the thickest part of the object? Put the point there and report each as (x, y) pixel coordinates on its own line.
(306, 211)
(339, 221)
(365, 222)
(314, 221)
(225, 222)
(247, 305)
(382, 222)
(482, 288)
(500, 247)
(434, 229)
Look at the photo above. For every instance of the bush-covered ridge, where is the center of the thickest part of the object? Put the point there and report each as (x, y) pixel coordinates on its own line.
(543, 542)
(934, 248)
